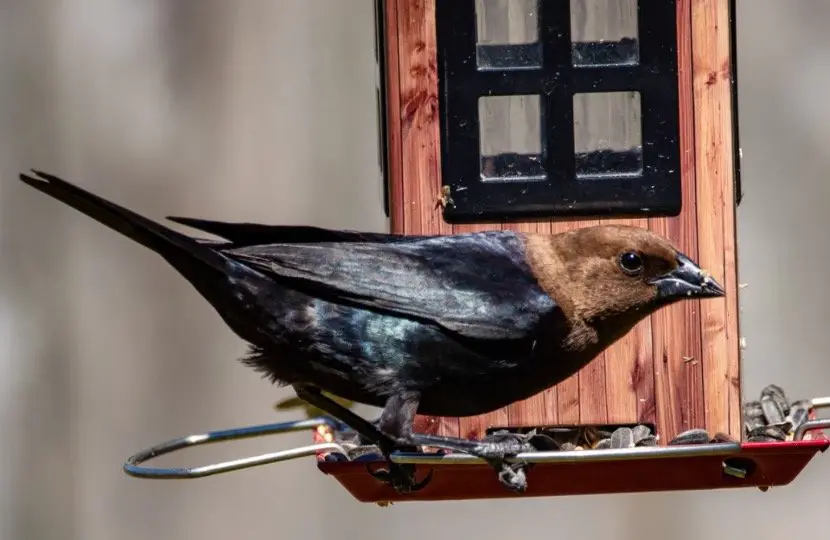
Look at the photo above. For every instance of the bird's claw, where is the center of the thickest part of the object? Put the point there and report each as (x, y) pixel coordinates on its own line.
(502, 444)
(401, 478)
(513, 476)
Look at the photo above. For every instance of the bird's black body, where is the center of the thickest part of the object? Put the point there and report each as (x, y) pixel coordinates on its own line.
(452, 325)
(367, 315)
(367, 320)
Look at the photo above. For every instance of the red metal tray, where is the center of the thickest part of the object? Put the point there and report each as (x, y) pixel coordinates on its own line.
(711, 466)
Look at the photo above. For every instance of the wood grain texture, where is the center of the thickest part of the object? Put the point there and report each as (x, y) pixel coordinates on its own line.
(629, 371)
(540, 409)
(413, 70)
(602, 121)
(713, 151)
(421, 152)
(676, 331)
(680, 367)
(515, 128)
(730, 254)
(393, 117)
(567, 393)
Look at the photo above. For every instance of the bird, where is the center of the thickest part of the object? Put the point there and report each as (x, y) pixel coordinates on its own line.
(442, 325)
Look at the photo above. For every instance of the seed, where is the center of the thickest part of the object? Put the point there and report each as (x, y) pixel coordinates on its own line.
(692, 436)
(767, 434)
(640, 433)
(543, 443)
(563, 435)
(649, 440)
(622, 438)
(753, 415)
(722, 438)
(777, 393)
(773, 411)
(602, 444)
(799, 412)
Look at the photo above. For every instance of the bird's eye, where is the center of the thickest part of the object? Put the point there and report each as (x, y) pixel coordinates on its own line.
(631, 263)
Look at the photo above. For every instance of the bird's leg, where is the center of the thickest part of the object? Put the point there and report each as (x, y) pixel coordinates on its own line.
(401, 477)
(363, 427)
(398, 418)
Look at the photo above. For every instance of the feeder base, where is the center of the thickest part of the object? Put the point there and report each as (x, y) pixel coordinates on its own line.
(762, 465)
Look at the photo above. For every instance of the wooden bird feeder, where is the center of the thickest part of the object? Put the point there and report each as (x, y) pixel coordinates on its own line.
(548, 115)
(544, 116)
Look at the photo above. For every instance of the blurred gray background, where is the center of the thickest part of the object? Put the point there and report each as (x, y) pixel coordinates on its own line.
(265, 111)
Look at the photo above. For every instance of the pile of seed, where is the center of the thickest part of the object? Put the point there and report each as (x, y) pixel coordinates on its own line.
(774, 417)
(591, 438)
(771, 418)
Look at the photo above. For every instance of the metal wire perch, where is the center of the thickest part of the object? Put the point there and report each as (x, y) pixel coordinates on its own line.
(133, 465)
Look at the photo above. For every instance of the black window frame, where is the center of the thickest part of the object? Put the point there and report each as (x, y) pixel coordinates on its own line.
(461, 82)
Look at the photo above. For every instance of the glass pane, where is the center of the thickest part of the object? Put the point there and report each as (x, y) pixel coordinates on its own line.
(608, 134)
(510, 130)
(604, 33)
(507, 34)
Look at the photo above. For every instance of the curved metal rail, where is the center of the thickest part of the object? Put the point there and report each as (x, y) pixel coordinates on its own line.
(813, 425)
(133, 468)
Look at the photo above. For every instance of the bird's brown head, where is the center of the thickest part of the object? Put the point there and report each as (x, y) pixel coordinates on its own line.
(604, 272)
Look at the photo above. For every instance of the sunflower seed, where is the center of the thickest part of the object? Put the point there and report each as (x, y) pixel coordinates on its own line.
(722, 438)
(648, 440)
(543, 443)
(622, 438)
(799, 412)
(640, 433)
(767, 434)
(784, 427)
(753, 415)
(773, 411)
(761, 438)
(602, 444)
(563, 435)
(692, 436)
(589, 436)
(777, 393)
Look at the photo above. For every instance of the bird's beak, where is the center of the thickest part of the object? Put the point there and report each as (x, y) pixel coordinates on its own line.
(688, 279)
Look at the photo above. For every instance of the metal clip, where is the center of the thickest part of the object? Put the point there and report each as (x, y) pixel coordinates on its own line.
(133, 468)
(812, 425)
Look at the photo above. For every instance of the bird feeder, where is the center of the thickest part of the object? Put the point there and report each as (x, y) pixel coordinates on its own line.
(544, 116)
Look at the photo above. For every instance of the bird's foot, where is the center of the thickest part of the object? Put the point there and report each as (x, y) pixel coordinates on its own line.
(502, 444)
(512, 475)
(400, 477)
(497, 446)
(494, 449)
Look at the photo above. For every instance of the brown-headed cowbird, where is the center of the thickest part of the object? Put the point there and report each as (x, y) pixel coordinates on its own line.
(452, 325)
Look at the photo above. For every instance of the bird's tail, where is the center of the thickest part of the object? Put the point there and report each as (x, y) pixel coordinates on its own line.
(186, 254)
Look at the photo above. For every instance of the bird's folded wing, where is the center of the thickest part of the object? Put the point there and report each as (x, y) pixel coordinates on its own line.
(478, 286)
(250, 234)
